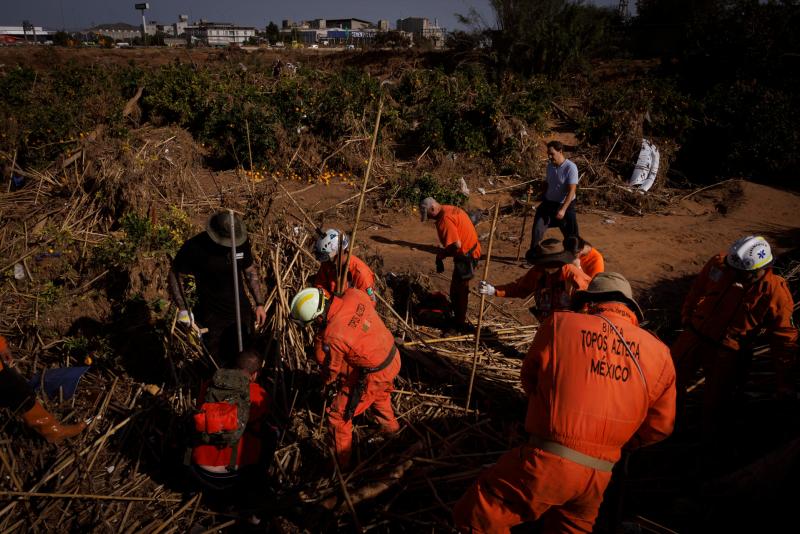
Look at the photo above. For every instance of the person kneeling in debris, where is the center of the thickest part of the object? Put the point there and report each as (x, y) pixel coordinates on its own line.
(596, 384)
(357, 354)
(734, 298)
(590, 260)
(332, 259)
(18, 396)
(233, 441)
(553, 280)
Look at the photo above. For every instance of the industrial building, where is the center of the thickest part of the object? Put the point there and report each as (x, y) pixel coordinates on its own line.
(219, 33)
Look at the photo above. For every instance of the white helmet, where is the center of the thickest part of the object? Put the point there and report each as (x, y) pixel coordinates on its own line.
(308, 304)
(749, 253)
(327, 246)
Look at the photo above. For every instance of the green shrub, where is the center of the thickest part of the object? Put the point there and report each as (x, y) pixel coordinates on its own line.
(413, 190)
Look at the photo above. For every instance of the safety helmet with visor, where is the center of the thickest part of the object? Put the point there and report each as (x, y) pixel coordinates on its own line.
(327, 246)
(308, 304)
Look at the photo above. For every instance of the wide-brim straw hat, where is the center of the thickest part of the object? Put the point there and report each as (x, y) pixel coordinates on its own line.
(550, 252)
(608, 286)
(218, 228)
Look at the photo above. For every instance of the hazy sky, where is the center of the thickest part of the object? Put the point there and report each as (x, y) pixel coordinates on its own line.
(79, 14)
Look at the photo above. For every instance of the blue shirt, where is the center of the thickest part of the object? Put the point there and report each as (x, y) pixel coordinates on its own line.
(558, 178)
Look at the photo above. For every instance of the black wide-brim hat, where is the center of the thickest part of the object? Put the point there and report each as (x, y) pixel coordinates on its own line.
(218, 229)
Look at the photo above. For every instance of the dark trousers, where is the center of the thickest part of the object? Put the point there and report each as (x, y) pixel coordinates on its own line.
(15, 393)
(545, 218)
(221, 340)
(459, 297)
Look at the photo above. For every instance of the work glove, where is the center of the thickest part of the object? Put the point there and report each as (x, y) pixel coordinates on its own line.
(485, 288)
(185, 318)
(330, 392)
(439, 265)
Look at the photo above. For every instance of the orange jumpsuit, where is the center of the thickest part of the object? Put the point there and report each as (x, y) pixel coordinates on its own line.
(453, 225)
(359, 276)
(552, 291)
(592, 263)
(585, 393)
(722, 317)
(354, 340)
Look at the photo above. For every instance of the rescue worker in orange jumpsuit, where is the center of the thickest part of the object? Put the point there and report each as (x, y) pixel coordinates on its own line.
(327, 251)
(553, 280)
(18, 396)
(460, 241)
(596, 383)
(356, 352)
(734, 298)
(590, 259)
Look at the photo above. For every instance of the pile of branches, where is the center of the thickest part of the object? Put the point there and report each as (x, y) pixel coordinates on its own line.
(125, 471)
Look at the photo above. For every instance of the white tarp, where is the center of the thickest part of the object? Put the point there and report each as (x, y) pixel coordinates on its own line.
(646, 169)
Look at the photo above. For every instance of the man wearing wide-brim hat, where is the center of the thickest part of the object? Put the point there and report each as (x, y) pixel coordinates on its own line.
(596, 382)
(207, 256)
(553, 280)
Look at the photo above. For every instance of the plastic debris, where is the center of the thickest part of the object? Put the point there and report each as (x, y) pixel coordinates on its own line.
(462, 184)
(19, 271)
(65, 379)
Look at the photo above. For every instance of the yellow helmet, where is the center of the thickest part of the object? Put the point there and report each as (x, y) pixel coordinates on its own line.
(308, 304)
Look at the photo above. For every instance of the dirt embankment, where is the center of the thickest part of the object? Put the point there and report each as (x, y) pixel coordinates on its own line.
(659, 253)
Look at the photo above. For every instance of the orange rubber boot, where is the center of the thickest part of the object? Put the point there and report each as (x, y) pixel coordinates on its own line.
(46, 425)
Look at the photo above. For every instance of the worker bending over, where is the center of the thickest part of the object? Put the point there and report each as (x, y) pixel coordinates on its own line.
(18, 396)
(460, 241)
(596, 383)
(356, 354)
(332, 259)
(735, 297)
(590, 259)
(552, 281)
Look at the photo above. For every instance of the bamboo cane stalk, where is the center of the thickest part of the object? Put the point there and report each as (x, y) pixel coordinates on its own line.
(343, 273)
(480, 311)
(524, 220)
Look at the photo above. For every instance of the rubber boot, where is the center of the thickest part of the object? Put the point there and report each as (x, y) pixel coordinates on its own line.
(46, 425)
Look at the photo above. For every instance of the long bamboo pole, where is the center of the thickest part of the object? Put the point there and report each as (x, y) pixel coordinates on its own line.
(89, 496)
(480, 312)
(524, 220)
(342, 274)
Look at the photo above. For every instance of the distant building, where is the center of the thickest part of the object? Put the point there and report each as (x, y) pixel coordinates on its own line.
(219, 33)
(383, 25)
(349, 24)
(421, 27)
(19, 34)
(179, 28)
(119, 31)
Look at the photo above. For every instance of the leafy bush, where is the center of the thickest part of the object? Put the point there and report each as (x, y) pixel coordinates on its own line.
(45, 114)
(413, 190)
(138, 234)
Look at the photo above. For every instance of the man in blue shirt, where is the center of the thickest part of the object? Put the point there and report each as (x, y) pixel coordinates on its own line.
(558, 205)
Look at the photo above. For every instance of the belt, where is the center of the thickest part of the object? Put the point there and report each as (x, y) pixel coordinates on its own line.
(571, 454)
(384, 364)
